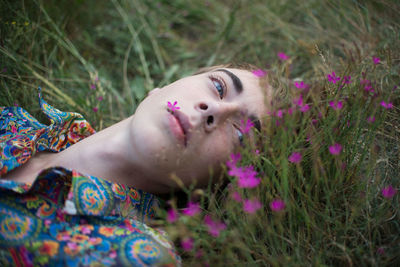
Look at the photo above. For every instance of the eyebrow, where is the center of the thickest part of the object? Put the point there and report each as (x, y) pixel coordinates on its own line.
(237, 83)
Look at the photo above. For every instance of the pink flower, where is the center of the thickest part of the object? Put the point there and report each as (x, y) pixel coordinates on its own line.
(187, 244)
(376, 60)
(173, 107)
(298, 101)
(214, 227)
(234, 159)
(95, 109)
(172, 215)
(332, 77)
(295, 157)
(100, 98)
(388, 191)
(301, 85)
(251, 206)
(191, 209)
(371, 119)
(388, 105)
(199, 253)
(236, 196)
(279, 113)
(283, 56)
(92, 86)
(336, 105)
(247, 177)
(277, 205)
(246, 126)
(259, 73)
(305, 108)
(335, 149)
(346, 79)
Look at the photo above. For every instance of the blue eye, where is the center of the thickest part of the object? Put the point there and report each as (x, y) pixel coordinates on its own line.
(240, 136)
(220, 88)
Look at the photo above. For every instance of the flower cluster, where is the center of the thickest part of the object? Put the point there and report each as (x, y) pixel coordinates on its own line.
(193, 209)
(246, 178)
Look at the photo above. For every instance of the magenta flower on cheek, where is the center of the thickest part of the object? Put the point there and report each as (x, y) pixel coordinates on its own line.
(173, 107)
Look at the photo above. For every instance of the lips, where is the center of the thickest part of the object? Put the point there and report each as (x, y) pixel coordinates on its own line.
(180, 126)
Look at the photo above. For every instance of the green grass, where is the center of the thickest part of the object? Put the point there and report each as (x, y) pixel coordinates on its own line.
(335, 213)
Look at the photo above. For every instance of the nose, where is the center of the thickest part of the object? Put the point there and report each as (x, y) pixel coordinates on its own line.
(215, 113)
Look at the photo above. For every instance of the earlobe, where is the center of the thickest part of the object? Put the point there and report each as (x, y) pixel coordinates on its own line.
(153, 91)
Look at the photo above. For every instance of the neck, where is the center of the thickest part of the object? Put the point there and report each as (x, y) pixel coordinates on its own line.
(110, 155)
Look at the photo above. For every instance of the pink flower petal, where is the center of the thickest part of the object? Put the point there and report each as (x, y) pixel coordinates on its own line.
(376, 60)
(277, 205)
(172, 215)
(192, 209)
(388, 191)
(283, 56)
(295, 157)
(335, 149)
(187, 243)
(259, 73)
(251, 206)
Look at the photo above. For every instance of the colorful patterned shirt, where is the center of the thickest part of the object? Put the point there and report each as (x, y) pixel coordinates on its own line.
(66, 217)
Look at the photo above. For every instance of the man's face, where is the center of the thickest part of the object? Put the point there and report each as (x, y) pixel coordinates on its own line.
(203, 132)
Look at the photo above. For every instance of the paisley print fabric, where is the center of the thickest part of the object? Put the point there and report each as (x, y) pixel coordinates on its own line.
(66, 218)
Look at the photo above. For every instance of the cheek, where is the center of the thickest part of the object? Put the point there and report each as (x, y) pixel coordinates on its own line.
(218, 146)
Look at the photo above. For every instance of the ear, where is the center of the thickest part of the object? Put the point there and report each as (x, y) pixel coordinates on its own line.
(153, 91)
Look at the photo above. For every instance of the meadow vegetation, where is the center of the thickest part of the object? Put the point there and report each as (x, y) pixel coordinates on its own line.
(320, 190)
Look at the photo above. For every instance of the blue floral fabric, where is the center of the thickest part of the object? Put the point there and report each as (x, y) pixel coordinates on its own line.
(65, 217)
